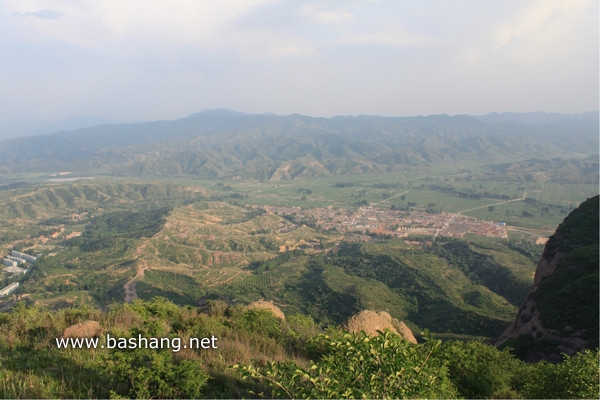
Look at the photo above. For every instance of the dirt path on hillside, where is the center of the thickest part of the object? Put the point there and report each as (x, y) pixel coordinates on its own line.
(130, 293)
(226, 280)
(141, 266)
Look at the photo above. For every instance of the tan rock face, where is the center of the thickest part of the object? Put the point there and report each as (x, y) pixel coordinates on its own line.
(528, 328)
(371, 321)
(86, 329)
(528, 320)
(548, 261)
(268, 305)
(405, 332)
(529, 323)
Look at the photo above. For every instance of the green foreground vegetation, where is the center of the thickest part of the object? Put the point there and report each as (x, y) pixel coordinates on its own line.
(258, 355)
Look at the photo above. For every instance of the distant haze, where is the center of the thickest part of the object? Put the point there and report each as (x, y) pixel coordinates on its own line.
(33, 127)
(223, 144)
(152, 60)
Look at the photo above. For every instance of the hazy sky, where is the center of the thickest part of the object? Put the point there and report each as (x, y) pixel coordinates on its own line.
(165, 59)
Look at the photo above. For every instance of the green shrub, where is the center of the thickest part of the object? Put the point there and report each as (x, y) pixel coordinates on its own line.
(360, 366)
(481, 371)
(217, 308)
(258, 321)
(574, 378)
(149, 374)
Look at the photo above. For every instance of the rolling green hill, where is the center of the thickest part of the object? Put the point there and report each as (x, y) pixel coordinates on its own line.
(555, 170)
(106, 242)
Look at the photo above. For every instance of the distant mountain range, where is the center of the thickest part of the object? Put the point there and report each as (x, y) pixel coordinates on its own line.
(537, 118)
(33, 127)
(228, 144)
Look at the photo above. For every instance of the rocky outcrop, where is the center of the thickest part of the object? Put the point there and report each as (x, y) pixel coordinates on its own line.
(268, 305)
(560, 313)
(405, 332)
(85, 329)
(371, 322)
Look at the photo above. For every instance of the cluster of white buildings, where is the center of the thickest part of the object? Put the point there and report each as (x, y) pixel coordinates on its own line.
(17, 258)
(12, 263)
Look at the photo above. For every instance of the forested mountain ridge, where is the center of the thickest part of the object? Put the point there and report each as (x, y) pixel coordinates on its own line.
(227, 145)
(560, 313)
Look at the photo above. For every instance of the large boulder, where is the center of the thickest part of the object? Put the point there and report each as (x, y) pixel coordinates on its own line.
(405, 332)
(85, 329)
(371, 322)
(268, 305)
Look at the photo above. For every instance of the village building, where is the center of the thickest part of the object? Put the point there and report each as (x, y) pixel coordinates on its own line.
(10, 263)
(9, 289)
(18, 260)
(24, 256)
(15, 270)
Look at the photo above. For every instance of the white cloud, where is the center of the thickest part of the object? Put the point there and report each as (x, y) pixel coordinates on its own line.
(43, 14)
(472, 57)
(291, 49)
(544, 28)
(320, 14)
(108, 23)
(394, 38)
(322, 57)
(505, 34)
(551, 35)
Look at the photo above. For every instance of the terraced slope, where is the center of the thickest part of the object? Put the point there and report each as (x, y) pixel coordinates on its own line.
(103, 243)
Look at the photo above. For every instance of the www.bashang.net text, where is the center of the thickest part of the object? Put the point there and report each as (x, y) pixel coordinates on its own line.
(139, 342)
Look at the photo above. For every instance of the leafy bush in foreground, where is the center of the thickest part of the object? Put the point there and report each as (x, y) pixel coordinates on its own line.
(143, 374)
(574, 378)
(270, 354)
(482, 371)
(360, 366)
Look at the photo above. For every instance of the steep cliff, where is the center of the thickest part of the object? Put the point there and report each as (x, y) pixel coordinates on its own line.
(560, 314)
